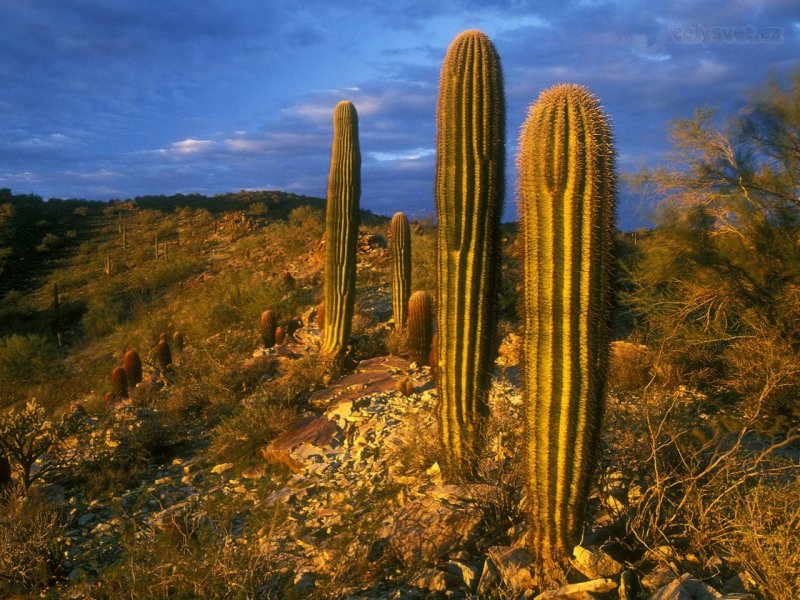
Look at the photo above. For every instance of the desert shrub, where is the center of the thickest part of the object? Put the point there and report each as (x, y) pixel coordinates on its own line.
(29, 438)
(260, 419)
(103, 314)
(719, 276)
(31, 542)
(695, 484)
(629, 366)
(168, 272)
(25, 360)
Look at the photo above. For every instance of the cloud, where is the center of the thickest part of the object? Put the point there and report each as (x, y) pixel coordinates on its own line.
(190, 146)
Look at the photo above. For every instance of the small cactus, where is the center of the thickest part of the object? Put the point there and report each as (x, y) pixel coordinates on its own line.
(268, 326)
(341, 229)
(400, 246)
(420, 327)
(119, 384)
(163, 355)
(177, 341)
(132, 363)
(292, 325)
(280, 336)
(405, 386)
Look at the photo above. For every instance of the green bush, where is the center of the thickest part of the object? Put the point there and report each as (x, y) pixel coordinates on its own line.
(25, 360)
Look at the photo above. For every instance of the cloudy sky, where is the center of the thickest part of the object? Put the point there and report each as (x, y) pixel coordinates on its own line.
(111, 99)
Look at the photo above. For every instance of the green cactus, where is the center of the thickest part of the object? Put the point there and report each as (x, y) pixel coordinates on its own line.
(470, 172)
(341, 229)
(269, 323)
(400, 245)
(420, 327)
(132, 363)
(567, 191)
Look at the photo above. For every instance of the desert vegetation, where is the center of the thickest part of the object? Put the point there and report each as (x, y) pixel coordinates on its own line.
(243, 396)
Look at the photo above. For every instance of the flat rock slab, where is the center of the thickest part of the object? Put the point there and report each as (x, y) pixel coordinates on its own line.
(372, 376)
(315, 430)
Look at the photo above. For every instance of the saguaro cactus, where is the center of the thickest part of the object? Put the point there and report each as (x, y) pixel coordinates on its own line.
(400, 245)
(470, 164)
(567, 192)
(119, 383)
(341, 229)
(420, 327)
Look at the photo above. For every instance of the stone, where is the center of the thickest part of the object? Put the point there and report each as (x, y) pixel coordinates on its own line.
(595, 564)
(432, 580)
(490, 577)
(514, 566)
(221, 468)
(660, 576)
(685, 588)
(579, 590)
(466, 573)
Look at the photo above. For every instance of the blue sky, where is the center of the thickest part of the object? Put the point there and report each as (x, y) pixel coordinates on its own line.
(108, 99)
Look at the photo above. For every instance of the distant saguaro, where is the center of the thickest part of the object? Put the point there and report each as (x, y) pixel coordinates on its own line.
(400, 245)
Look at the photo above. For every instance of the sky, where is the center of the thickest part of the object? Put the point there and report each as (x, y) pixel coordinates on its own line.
(104, 99)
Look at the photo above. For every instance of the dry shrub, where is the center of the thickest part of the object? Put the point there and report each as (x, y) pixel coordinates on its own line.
(396, 342)
(30, 541)
(702, 483)
(629, 366)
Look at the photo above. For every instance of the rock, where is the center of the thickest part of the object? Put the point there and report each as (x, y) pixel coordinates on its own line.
(466, 573)
(221, 468)
(595, 564)
(85, 519)
(432, 580)
(425, 530)
(579, 590)
(255, 472)
(660, 576)
(514, 566)
(685, 588)
(490, 577)
(627, 586)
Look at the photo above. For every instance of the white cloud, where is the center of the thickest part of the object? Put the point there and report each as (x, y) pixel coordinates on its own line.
(190, 146)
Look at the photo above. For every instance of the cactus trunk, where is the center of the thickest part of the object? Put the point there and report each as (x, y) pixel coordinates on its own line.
(470, 165)
(341, 229)
(400, 243)
(566, 191)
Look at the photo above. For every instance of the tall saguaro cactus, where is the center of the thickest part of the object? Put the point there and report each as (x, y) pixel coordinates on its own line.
(470, 163)
(400, 243)
(341, 229)
(567, 193)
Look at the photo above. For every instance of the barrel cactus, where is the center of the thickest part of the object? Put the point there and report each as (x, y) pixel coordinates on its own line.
(341, 229)
(567, 192)
(132, 363)
(178, 341)
(420, 327)
(268, 324)
(400, 246)
(163, 355)
(119, 384)
(470, 171)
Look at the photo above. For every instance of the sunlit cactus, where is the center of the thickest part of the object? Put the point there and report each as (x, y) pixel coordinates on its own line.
(132, 363)
(280, 336)
(400, 246)
(268, 324)
(470, 171)
(567, 193)
(163, 355)
(341, 229)
(420, 327)
(119, 384)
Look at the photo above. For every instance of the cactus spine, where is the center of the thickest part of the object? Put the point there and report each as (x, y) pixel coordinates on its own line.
(470, 165)
(341, 229)
(420, 327)
(566, 191)
(400, 245)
